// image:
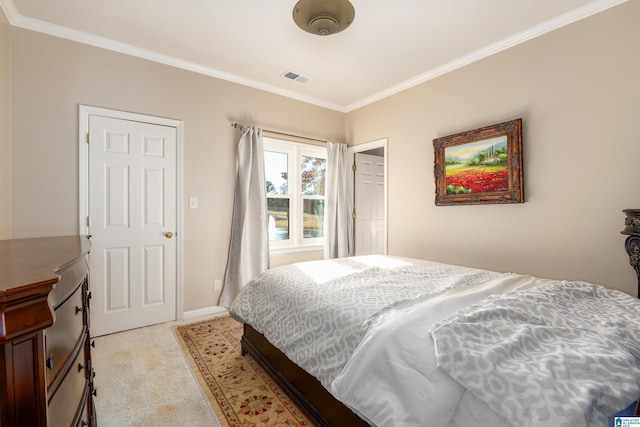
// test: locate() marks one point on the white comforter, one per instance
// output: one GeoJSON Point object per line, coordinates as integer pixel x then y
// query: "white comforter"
{"type": "Point", "coordinates": [380, 359]}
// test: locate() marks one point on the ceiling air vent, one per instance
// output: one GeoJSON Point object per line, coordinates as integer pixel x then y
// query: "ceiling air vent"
{"type": "Point", "coordinates": [295, 76]}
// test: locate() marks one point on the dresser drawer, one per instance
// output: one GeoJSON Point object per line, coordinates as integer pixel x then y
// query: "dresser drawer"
{"type": "Point", "coordinates": [64, 337]}
{"type": "Point", "coordinates": [71, 276]}
{"type": "Point", "coordinates": [69, 399]}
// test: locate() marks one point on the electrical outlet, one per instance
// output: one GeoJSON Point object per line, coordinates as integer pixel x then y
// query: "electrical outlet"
{"type": "Point", "coordinates": [217, 285]}
{"type": "Point", "coordinates": [193, 203]}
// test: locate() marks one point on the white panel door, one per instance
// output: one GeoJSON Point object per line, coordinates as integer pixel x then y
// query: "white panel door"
{"type": "Point", "coordinates": [369, 204]}
{"type": "Point", "coordinates": [132, 211]}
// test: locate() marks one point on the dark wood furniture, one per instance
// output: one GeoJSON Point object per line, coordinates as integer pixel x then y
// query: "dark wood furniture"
{"type": "Point", "coordinates": [304, 389]}
{"type": "Point", "coordinates": [632, 244]}
{"type": "Point", "coordinates": [46, 376]}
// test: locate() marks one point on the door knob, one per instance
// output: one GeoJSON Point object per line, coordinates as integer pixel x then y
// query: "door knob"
{"type": "Point", "coordinates": [169, 234]}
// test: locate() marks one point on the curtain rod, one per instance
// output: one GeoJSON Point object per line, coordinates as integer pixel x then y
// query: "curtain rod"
{"type": "Point", "coordinates": [240, 126]}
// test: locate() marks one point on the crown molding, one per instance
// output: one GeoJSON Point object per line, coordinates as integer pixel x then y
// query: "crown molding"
{"type": "Point", "coordinates": [17, 20]}
{"type": "Point", "coordinates": [9, 9]}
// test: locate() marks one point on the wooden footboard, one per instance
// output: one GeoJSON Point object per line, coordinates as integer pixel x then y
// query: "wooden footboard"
{"type": "Point", "coordinates": [306, 391]}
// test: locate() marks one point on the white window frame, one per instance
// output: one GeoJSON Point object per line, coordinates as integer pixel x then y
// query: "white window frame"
{"type": "Point", "coordinates": [295, 151]}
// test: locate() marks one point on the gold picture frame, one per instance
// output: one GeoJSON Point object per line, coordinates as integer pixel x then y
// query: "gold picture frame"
{"type": "Point", "coordinates": [480, 166]}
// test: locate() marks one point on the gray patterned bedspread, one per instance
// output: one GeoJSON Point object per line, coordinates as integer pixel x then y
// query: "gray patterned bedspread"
{"type": "Point", "coordinates": [317, 312]}
{"type": "Point", "coordinates": [562, 354]}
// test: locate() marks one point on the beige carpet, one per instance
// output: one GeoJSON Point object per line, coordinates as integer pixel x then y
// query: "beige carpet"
{"type": "Point", "coordinates": [143, 379]}
{"type": "Point", "coordinates": [240, 391]}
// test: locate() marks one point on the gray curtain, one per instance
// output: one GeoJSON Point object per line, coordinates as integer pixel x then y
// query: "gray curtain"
{"type": "Point", "coordinates": [338, 226]}
{"type": "Point", "coordinates": [249, 246]}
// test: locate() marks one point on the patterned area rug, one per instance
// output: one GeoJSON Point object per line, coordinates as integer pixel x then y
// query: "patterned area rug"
{"type": "Point", "coordinates": [241, 393]}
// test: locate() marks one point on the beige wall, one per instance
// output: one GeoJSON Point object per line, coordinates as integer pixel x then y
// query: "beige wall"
{"type": "Point", "coordinates": [577, 91]}
{"type": "Point", "coordinates": [5, 127]}
{"type": "Point", "coordinates": [52, 76]}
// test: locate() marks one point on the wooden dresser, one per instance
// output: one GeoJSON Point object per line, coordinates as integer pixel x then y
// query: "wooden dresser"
{"type": "Point", "coordinates": [46, 378]}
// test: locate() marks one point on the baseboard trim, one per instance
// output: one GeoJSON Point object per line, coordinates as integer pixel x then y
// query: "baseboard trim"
{"type": "Point", "coordinates": [216, 309]}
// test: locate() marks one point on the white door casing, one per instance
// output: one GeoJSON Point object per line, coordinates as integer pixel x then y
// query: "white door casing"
{"type": "Point", "coordinates": [369, 224]}
{"type": "Point", "coordinates": [133, 222]}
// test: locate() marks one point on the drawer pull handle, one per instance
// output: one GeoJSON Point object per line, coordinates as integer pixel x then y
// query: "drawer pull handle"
{"type": "Point", "coordinates": [50, 361]}
{"type": "Point", "coordinates": [79, 309]}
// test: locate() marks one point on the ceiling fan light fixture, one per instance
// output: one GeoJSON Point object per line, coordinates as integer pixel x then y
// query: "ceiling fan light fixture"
{"type": "Point", "coordinates": [323, 17]}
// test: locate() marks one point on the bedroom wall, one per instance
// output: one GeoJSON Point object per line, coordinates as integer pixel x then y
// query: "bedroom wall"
{"type": "Point", "coordinates": [52, 76]}
{"type": "Point", "coordinates": [578, 94]}
{"type": "Point", "coordinates": [5, 127]}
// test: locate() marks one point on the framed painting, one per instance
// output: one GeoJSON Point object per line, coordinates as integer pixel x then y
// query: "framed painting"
{"type": "Point", "coordinates": [480, 166]}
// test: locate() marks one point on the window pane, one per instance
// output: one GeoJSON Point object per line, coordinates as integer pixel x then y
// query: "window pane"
{"type": "Point", "coordinates": [276, 172]}
{"type": "Point", "coordinates": [278, 212]}
{"type": "Point", "coordinates": [313, 218]}
{"type": "Point", "coordinates": [313, 171]}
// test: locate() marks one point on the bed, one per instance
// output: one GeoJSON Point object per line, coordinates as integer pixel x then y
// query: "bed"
{"type": "Point", "coordinates": [391, 341]}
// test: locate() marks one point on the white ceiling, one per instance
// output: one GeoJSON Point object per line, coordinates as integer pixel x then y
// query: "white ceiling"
{"type": "Point", "coordinates": [391, 45]}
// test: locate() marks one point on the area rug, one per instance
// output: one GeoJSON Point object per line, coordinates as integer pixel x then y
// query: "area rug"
{"type": "Point", "coordinates": [241, 393]}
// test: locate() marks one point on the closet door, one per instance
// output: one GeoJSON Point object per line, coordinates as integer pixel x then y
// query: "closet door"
{"type": "Point", "coordinates": [132, 217]}
{"type": "Point", "coordinates": [369, 227]}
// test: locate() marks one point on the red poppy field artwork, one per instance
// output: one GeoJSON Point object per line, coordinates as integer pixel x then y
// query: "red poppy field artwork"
{"type": "Point", "coordinates": [480, 166]}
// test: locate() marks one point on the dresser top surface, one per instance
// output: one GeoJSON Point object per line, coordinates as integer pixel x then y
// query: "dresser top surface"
{"type": "Point", "coordinates": [26, 263]}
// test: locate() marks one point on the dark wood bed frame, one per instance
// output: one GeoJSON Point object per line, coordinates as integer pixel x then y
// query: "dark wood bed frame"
{"type": "Point", "coordinates": [306, 391]}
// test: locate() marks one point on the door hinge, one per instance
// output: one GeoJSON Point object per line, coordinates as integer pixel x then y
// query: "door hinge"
{"type": "Point", "coordinates": [88, 222]}
{"type": "Point", "coordinates": [354, 167]}
{"type": "Point", "coordinates": [88, 139]}
{"type": "Point", "coordinates": [353, 215]}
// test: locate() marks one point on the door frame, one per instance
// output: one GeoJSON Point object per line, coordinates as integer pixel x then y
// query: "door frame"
{"type": "Point", "coordinates": [84, 112]}
{"type": "Point", "coordinates": [351, 151]}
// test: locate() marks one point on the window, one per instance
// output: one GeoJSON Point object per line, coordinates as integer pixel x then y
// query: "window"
{"type": "Point", "coordinates": [295, 179]}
